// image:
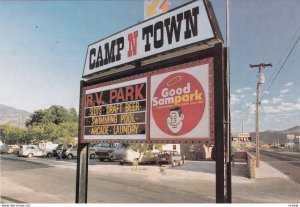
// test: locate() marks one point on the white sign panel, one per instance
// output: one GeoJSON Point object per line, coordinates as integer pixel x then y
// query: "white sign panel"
{"type": "Point", "coordinates": [290, 136]}
{"type": "Point", "coordinates": [180, 106]}
{"type": "Point", "coordinates": [184, 26]}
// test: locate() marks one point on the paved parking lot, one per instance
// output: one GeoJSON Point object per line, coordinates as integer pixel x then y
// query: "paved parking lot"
{"type": "Point", "coordinates": [44, 180]}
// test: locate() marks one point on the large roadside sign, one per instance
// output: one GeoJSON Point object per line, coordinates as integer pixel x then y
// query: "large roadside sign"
{"type": "Point", "coordinates": [159, 103]}
{"type": "Point", "coordinates": [171, 104]}
{"type": "Point", "coordinates": [160, 81]}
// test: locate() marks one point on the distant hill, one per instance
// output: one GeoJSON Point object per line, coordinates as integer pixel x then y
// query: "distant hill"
{"type": "Point", "coordinates": [271, 136]}
{"type": "Point", "coordinates": [13, 116]}
{"type": "Point", "coordinates": [295, 129]}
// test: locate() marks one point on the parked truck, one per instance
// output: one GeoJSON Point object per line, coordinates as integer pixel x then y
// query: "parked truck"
{"type": "Point", "coordinates": [48, 147]}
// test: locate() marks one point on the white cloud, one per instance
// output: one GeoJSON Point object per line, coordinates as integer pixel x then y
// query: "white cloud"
{"type": "Point", "coordinates": [266, 92]}
{"type": "Point", "coordinates": [252, 108]}
{"type": "Point", "coordinates": [286, 106]}
{"type": "Point", "coordinates": [234, 99]}
{"type": "Point", "coordinates": [271, 109]}
{"type": "Point", "coordinates": [265, 101]}
{"type": "Point", "coordinates": [284, 90]}
{"type": "Point", "coordinates": [242, 90]}
{"type": "Point", "coordinates": [235, 113]}
{"type": "Point", "coordinates": [289, 84]}
{"type": "Point", "coordinates": [247, 105]}
{"type": "Point", "coordinates": [280, 107]}
{"type": "Point", "coordinates": [276, 100]}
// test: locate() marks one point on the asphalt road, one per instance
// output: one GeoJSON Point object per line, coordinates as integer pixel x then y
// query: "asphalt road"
{"type": "Point", "coordinates": [43, 180]}
{"type": "Point", "coordinates": [286, 162]}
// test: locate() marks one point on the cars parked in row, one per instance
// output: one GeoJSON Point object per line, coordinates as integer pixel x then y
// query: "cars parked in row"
{"type": "Point", "coordinates": [122, 153]}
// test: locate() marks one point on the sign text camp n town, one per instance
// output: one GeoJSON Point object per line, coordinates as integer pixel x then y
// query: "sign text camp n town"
{"type": "Point", "coordinates": [183, 26]}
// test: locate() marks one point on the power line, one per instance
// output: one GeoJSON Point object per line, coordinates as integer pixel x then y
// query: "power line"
{"type": "Point", "coordinates": [292, 49]}
{"type": "Point", "coordinates": [285, 52]}
{"type": "Point", "coordinates": [282, 56]}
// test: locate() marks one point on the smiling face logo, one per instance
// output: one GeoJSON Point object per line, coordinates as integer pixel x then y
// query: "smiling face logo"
{"type": "Point", "coordinates": [175, 120]}
{"type": "Point", "coordinates": [178, 104]}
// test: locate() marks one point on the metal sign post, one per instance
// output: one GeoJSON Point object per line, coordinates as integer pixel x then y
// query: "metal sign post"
{"type": "Point", "coordinates": [82, 162]}
{"type": "Point", "coordinates": [82, 173]}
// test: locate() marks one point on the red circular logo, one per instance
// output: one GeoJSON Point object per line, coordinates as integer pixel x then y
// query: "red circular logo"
{"type": "Point", "coordinates": [178, 104]}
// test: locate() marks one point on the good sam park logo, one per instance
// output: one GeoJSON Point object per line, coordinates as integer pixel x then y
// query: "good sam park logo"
{"type": "Point", "coordinates": [178, 104]}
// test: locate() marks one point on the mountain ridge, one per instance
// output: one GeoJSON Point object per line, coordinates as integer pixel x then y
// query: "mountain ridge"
{"type": "Point", "coordinates": [270, 136]}
{"type": "Point", "coordinates": [11, 115]}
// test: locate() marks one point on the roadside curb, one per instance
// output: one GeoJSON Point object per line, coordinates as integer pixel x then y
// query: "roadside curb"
{"type": "Point", "coordinates": [266, 171]}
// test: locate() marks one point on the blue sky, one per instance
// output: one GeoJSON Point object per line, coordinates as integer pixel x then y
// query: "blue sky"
{"type": "Point", "coordinates": [43, 46]}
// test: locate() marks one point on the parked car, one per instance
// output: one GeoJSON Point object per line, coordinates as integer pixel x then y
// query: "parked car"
{"type": "Point", "coordinates": [124, 154]}
{"type": "Point", "coordinates": [170, 157]}
{"type": "Point", "coordinates": [9, 149]}
{"type": "Point", "coordinates": [31, 151]}
{"type": "Point", "coordinates": [104, 150]}
{"type": "Point", "coordinates": [70, 151]}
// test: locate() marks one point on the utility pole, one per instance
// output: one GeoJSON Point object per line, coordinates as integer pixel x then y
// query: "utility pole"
{"type": "Point", "coordinates": [261, 80]}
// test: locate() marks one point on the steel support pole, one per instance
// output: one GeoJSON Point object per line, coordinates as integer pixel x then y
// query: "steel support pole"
{"type": "Point", "coordinates": [227, 107]}
{"type": "Point", "coordinates": [82, 160]}
{"type": "Point", "coordinates": [219, 123]}
{"type": "Point", "coordinates": [227, 130]}
{"type": "Point", "coordinates": [82, 173]}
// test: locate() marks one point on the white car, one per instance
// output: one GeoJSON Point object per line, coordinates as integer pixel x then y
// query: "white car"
{"type": "Point", "coordinates": [70, 152]}
{"type": "Point", "coordinates": [124, 154]}
{"type": "Point", "coordinates": [31, 151]}
{"type": "Point", "coordinates": [103, 150]}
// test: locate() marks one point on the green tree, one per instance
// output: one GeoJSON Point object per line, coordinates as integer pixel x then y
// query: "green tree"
{"type": "Point", "coordinates": [55, 114]}
{"type": "Point", "coordinates": [12, 134]}
{"type": "Point", "coordinates": [67, 132]}
{"type": "Point", "coordinates": [54, 124]}
{"type": "Point", "coordinates": [37, 118]}
{"type": "Point", "coordinates": [35, 133]}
